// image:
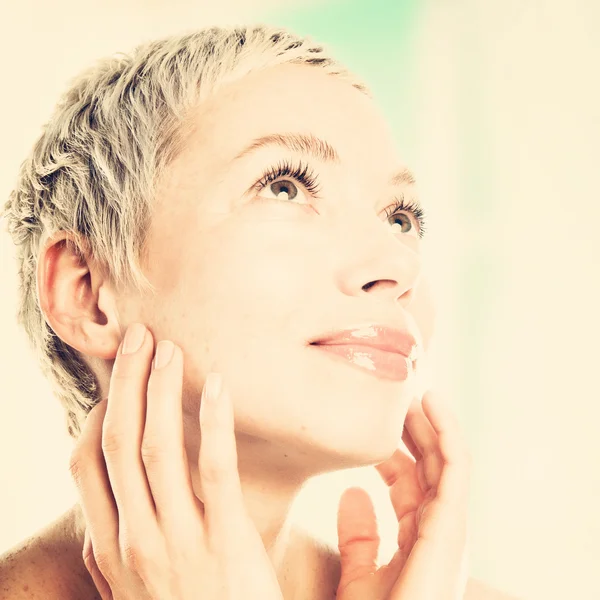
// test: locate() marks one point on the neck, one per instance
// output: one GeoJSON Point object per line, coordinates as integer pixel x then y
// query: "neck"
{"type": "Point", "coordinates": [268, 500]}
{"type": "Point", "coordinates": [305, 569]}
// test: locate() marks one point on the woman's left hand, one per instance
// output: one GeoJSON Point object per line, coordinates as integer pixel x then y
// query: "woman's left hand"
{"type": "Point", "coordinates": [429, 492]}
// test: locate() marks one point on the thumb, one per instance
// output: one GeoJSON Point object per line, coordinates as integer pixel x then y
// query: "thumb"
{"type": "Point", "coordinates": [358, 537]}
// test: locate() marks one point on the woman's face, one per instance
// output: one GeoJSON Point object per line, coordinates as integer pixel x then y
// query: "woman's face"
{"type": "Point", "coordinates": [246, 276]}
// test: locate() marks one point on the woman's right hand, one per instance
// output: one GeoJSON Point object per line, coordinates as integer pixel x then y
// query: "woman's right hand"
{"type": "Point", "coordinates": [429, 492]}
{"type": "Point", "coordinates": [148, 537]}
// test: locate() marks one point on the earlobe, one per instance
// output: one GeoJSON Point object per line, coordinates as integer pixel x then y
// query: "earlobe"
{"type": "Point", "coordinates": [75, 303]}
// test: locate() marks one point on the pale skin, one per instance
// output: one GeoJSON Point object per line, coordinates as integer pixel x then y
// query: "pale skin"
{"type": "Point", "coordinates": [236, 270]}
{"type": "Point", "coordinates": [149, 536]}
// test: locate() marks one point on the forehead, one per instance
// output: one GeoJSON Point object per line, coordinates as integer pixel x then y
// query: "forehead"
{"type": "Point", "coordinates": [292, 98]}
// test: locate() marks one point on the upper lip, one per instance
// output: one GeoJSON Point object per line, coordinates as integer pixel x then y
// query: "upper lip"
{"type": "Point", "coordinates": [379, 336]}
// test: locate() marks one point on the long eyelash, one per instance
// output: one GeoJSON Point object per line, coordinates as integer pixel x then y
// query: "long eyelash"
{"type": "Point", "coordinates": [401, 205]}
{"type": "Point", "coordinates": [303, 174]}
{"type": "Point", "coordinates": [306, 176]}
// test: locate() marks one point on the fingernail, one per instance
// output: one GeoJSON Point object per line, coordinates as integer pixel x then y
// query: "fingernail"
{"type": "Point", "coordinates": [212, 387]}
{"type": "Point", "coordinates": [164, 353]}
{"type": "Point", "coordinates": [133, 338]}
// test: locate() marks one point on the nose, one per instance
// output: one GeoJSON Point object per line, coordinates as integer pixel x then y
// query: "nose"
{"type": "Point", "coordinates": [387, 267]}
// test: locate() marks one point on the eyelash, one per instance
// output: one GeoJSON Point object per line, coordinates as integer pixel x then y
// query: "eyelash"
{"type": "Point", "coordinates": [306, 176]}
{"type": "Point", "coordinates": [403, 205]}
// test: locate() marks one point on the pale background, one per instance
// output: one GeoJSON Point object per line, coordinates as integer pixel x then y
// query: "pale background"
{"type": "Point", "coordinates": [497, 105]}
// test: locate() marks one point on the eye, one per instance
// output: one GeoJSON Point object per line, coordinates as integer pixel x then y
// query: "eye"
{"type": "Point", "coordinates": [284, 186]}
{"type": "Point", "coordinates": [286, 189]}
{"type": "Point", "coordinates": [405, 226]}
{"type": "Point", "coordinates": [281, 181]}
{"type": "Point", "coordinates": [396, 211]}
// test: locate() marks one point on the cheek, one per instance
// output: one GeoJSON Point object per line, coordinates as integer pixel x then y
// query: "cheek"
{"type": "Point", "coordinates": [250, 282]}
{"type": "Point", "coordinates": [423, 310]}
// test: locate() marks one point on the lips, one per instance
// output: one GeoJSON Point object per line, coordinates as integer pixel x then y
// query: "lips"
{"type": "Point", "coordinates": [381, 337]}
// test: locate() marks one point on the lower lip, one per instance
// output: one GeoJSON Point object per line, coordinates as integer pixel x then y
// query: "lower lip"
{"type": "Point", "coordinates": [387, 365]}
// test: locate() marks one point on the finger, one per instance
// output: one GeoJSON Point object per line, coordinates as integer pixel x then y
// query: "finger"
{"type": "Point", "coordinates": [399, 473]}
{"type": "Point", "coordinates": [410, 445]}
{"type": "Point", "coordinates": [90, 564]}
{"type": "Point", "coordinates": [442, 534]}
{"type": "Point", "coordinates": [419, 462]}
{"type": "Point", "coordinates": [395, 467]}
{"type": "Point", "coordinates": [122, 437]}
{"type": "Point", "coordinates": [419, 429]}
{"type": "Point", "coordinates": [453, 487]}
{"type": "Point", "coordinates": [425, 438]}
{"type": "Point", "coordinates": [358, 536]}
{"type": "Point", "coordinates": [88, 471]}
{"type": "Point", "coordinates": [163, 449]}
{"type": "Point", "coordinates": [406, 438]}
{"type": "Point", "coordinates": [407, 536]}
{"type": "Point", "coordinates": [225, 511]}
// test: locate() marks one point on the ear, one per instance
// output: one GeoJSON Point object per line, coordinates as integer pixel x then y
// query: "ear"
{"type": "Point", "coordinates": [75, 297]}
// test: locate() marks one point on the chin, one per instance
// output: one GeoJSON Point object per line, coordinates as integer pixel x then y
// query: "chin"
{"type": "Point", "coordinates": [349, 445]}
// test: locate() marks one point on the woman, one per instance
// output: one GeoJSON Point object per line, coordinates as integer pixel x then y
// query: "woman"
{"type": "Point", "coordinates": [232, 203]}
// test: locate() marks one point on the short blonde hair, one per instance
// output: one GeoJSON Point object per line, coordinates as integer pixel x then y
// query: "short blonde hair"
{"type": "Point", "coordinates": [93, 171]}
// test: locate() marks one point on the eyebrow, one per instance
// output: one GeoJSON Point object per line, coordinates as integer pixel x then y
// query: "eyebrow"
{"type": "Point", "coordinates": [319, 149]}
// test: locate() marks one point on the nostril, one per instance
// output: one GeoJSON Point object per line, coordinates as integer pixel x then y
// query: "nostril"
{"type": "Point", "coordinates": [368, 286]}
{"type": "Point", "coordinates": [381, 282]}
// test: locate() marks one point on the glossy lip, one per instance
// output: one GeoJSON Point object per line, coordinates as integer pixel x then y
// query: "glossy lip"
{"type": "Point", "coordinates": [383, 364]}
{"type": "Point", "coordinates": [389, 339]}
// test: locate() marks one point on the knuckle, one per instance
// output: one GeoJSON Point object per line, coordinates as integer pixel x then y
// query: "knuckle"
{"type": "Point", "coordinates": [88, 556]}
{"type": "Point", "coordinates": [213, 473]}
{"type": "Point", "coordinates": [76, 465]}
{"type": "Point", "coordinates": [217, 471]}
{"type": "Point", "coordinates": [113, 440]}
{"type": "Point", "coordinates": [430, 448]}
{"type": "Point", "coordinates": [138, 558]}
{"type": "Point", "coordinates": [152, 450]}
{"type": "Point", "coordinates": [133, 557]}
{"type": "Point", "coordinates": [89, 562]}
{"type": "Point", "coordinates": [103, 563]}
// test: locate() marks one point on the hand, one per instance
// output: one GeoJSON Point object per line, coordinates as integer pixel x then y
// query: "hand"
{"type": "Point", "coordinates": [147, 534]}
{"type": "Point", "coordinates": [429, 494]}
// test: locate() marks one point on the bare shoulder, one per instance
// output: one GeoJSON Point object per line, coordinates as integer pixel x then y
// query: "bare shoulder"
{"type": "Point", "coordinates": [13, 581]}
{"type": "Point", "coordinates": [26, 573]}
{"type": "Point", "coordinates": [478, 590]}
{"type": "Point", "coordinates": [35, 568]}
